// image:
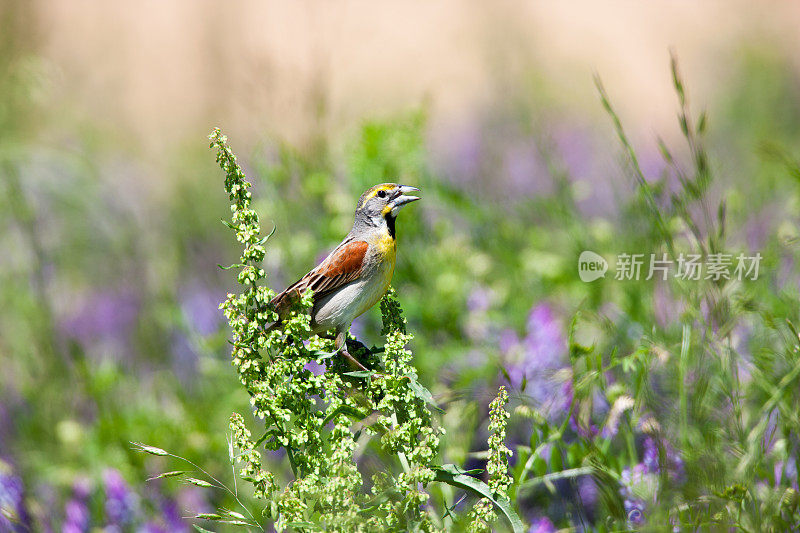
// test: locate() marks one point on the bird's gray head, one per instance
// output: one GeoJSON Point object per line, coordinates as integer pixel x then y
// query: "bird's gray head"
{"type": "Point", "coordinates": [380, 204]}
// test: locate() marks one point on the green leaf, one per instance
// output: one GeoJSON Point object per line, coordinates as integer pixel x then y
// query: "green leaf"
{"type": "Point", "coordinates": [701, 123]}
{"type": "Point", "coordinates": [453, 475]}
{"type": "Point", "coordinates": [201, 529]}
{"type": "Point", "coordinates": [792, 328]}
{"type": "Point", "coordinates": [227, 223]}
{"type": "Point", "coordinates": [389, 494]}
{"type": "Point", "coordinates": [360, 374]}
{"type": "Point", "coordinates": [265, 239]}
{"type": "Point", "coordinates": [272, 432]}
{"type": "Point", "coordinates": [735, 493]}
{"type": "Point", "coordinates": [297, 525]}
{"type": "Point", "coordinates": [352, 412]}
{"type": "Point", "coordinates": [422, 393]}
{"type": "Point", "coordinates": [455, 469]}
{"type": "Point", "coordinates": [321, 355]}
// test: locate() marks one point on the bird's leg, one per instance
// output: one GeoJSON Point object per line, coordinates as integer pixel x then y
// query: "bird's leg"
{"type": "Point", "coordinates": [341, 346]}
{"type": "Point", "coordinates": [356, 346]}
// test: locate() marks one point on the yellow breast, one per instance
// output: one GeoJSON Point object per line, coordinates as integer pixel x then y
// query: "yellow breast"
{"type": "Point", "coordinates": [386, 252]}
{"type": "Point", "coordinates": [387, 248]}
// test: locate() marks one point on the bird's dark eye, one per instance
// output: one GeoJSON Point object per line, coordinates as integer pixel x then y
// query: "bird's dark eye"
{"type": "Point", "coordinates": [382, 194]}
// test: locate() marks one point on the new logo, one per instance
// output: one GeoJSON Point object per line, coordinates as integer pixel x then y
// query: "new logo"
{"type": "Point", "coordinates": [591, 266]}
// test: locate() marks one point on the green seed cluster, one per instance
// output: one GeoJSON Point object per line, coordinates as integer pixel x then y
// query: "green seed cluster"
{"type": "Point", "coordinates": [314, 417]}
{"type": "Point", "coordinates": [483, 514]}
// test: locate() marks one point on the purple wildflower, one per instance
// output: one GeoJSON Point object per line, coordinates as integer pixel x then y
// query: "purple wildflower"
{"type": "Point", "coordinates": [634, 510]}
{"type": "Point", "coordinates": [315, 368]}
{"type": "Point", "coordinates": [651, 460]}
{"type": "Point", "coordinates": [527, 173]}
{"type": "Point", "coordinates": [193, 499]}
{"type": "Point", "coordinates": [545, 343]}
{"type": "Point", "coordinates": [120, 501]}
{"type": "Point", "coordinates": [650, 456]}
{"type": "Point", "coordinates": [652, 163]}
{"type": "Point", "coordinates": [537, 358]}
{"type": "Point", "coordinates": [586, 431]}
{"type": "Point", "coordinates": [479, 300]}
{"type": "Point", "coordinates": [587, 491]}
{"type": "Point", "coordinates": [76, 517]}
{"type": "Point", "coordinates": [106, 316]}
{"type": "Point", "coordinates": [76, 510]}
{"type": "Point", "coordinates": [574, 145]}
{"type": "Point", "coordinates": [172, 516]}
{"type": "Point", "coordinates": [634, 505]}
{"type": "Point", "coordinates": [508, 341]}
{"type": "Point", "coordinates": [785, 472]}
{"type": "Point", "coordinates": [461, 151]}
{"type": "Point", "coordinates": [567, 395]}
{"type": "Point", "coordinates": [200, 306]}
{"type": "Point", "coordinates": [542, 525]}
{"type": "Point", "coordinates": [587, 165]}
{"type": "Point", "coordinates": [637, 488]}
{"type": "Point", "coordinates": [13, 514]}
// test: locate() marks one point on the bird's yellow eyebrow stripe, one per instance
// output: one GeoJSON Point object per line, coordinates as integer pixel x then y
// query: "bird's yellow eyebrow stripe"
{"type": "Point", "coordinates": [376, 190]}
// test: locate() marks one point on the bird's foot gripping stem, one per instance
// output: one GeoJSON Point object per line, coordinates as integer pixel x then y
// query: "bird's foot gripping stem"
{"type": "Point", "coordinates": [345, 345]}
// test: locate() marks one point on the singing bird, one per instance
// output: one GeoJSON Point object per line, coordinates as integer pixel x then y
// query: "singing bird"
{"type": "Point", "coordinates": [357, 273]}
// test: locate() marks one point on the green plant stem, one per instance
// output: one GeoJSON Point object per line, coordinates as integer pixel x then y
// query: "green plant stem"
{"type": "Point", "coordinates": [634, 160]}
{"type": "Point", "coordinates": [682, 392]}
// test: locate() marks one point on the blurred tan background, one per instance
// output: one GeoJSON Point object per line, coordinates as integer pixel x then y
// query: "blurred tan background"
{"type": "Point", "coordinates": [294, 69]}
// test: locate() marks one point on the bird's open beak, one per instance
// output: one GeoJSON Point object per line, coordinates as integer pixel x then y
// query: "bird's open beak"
{"type": "Point", "coordinates": [402, 197]}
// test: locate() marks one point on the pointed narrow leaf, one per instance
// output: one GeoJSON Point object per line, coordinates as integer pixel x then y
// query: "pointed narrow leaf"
{"type": "Point", "coordinates": [352, 412]}
{"type": "Point", "coordinates": [451, 474]}
{"type": "Point", "coordinates": [701, 123]}
{"type": "Point", "coordinates": [360, 374]}
{"type": "Point", "coordinates": [265, 239]}
{"type": "Point", "coordinates": [422, 393]}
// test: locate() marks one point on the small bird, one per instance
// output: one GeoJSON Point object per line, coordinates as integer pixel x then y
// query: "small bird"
{"type": "Point", "coordinates": [357, 273]}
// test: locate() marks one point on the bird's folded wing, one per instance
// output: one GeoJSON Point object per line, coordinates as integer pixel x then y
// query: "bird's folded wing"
{"type": "Point", "coordinates": [342, 266]}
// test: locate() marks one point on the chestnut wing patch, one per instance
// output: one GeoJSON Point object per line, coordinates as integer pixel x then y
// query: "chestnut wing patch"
{"type": "Point", "coordinates": [341, 267]}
